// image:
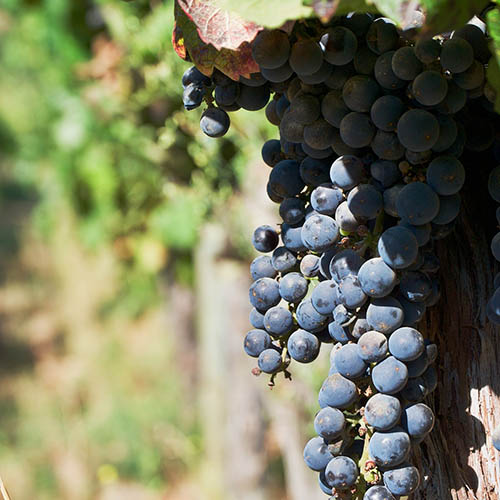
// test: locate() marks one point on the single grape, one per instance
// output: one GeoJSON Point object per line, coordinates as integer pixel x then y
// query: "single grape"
{"type": "Point", "coordinates": [421, 232]}
{"type": "Point", "coordinates": [390, 375]}
{"type": "Point", "coordinates": [308, 318]}
{"type": "Point", "coordinates": [333, 108]}
{"type": "Point", "coordinates": [397, 246]}
{"type": "Point", "coordinates": [256, 341]}
{"type": "Point", "coordinates": [372, 346]}
{"type": "Point", "coordinates": [319, 135]}
{"type": "Point", "coordinates": [305, 109]}
{"type": "Point", "coordinates": [214, 122]}
{"type": "Point", "coordinates": [360, 92]}
{"type": "Point", "coordinates": [194, 75]}
{"type": "Point", "coordinates": [339, 45]}
{"type": "Point", "coordinates": [314, 172]}
{"type": "Point", "coordinates": [417, 203]}
{"type": "Point", "coordinates": [427, 50]}
{"type": "Point", "coordinates": [306, 57]}
{"type": "Point", "coordinates": [283, 260]}
{"type": "Point", "coordinates": [413, 311]}
{"type": "Point", "coordinates": [345, 263]}
{"type": "Point", "coordinates": [429, 88]}
{"type": "Point", "coordinates": [326, 198]}
{"type": "Point", "coordinates": [456, 55]}
{"type": "Point", "coordinates": [226, 95]}
{"type": "Point", "coordinates": [382, 36]}
{"type": "Point", "coordinates": [261, 267]}
{"type": "Point", "coordinates": [319, 233]}
{"type": "Point", "coordinates": [325, 297]}
{"type": "Point", "coordinates": [385, 314]}
{"type": "Point", "coordinates": [325, 488]}
{"type": "Point", "coordinates": [341, 472]}
{"type": "Point", "coordinates": [385, 75]}
{"type": "Point", "coordinates": [382, 412]}
{"type": "Point", "coordinates": [376, 278]}
{"type": "Point", "coordinates": [329, 423]}
{"type": "Point", "coordinates": [349, 363]}
{"type": "Point", "coordinates": [271, 152]}
{"type": "Point", "coordinates": [390, 448]}
{"type": "Point", "coordinates": [264, 294]}
{"type": "Point", "coordinates": [357, 130]}
{"type": "Point", "coordinates": [270, 361]}
{"type": "Point", "coordinates": [386, 111]}
{"type": "Point", "coordinates": [253, 98]}
{"type": "Point", "coordinates": [406, 344]}
{"type": "Point", "coordinates": [365, 201]}
{"type": "Point", "coordinates": [303, 346]}
{"type": "Point", "coordinates": [192, 96]}
{"type": "Point", "coordinates": [337, 392]}
{"type": "Point", "coordinates": [285, 179]}
{"type": "Point", "coordinates": [415, 286]}
{"type": "Point", "coordinates": [418, 130]}
{"type": "Point", "coordinates": [405, 63]}
{"type": "Point", "coordinates": [265, 239]}
{"type": "Point", "coordinates": [278, 321]}
{"type": "Point", "coordinates": [402, 481]}
{"type": "Point", "coordinates": [417, 420]}
{"type": "Point", "coordinates": [292, 210]}
{"type": "Point", "coordinates": [293, 287]}
{"type": "Point", "coordinates": [347, 171]}
{"type": "Point", "coordinates": [317, 454]}
{"type": "Point", "coordinates": [271, 48]}
{"type": "Point", "coordinates": [309, 266]}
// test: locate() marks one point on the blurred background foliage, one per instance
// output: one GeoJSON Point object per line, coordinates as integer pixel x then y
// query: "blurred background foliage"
{"type": "Point", "coordinates": [106, 185]}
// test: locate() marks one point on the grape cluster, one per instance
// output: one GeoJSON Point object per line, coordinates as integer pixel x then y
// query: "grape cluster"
{"type": "Point", "coordinates": [493, 307]}
{"type": "Point", "coordinates": [367, 175]}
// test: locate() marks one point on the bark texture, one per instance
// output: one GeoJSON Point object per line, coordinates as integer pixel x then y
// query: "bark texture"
{"type": "Point", "coordinates": [457, 460]}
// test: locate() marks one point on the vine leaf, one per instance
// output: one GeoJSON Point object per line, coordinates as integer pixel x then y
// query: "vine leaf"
{"type": "Point", "coordinates": [493, 71]}
{"type": "Point", "coordinates": [446, 15]}
{"type": "Point", "coordinates": [187, 42]}
{"type": "Point", "coordinates": [268, 13]}
{"type": "Point", "coordinates": [224, 29]}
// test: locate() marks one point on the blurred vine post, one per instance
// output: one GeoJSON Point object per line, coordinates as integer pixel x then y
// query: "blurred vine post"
{"type": "Point", "coordinates": [123, 272]}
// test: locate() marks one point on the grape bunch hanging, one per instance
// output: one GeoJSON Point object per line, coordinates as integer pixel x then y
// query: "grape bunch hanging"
{"type": "Point", "coordinates": [367, 175]}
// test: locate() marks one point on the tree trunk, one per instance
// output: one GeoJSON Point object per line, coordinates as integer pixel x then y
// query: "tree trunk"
{"type": "Point", "coordinates": [457, 460]}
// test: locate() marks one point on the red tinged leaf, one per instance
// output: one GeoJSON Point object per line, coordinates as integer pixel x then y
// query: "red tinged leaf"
{"type": "Point", "coordinates": [178, 42]}
{"type": "Point", "coordinates": [206, 57]}
{"type": "Point", "coordinates": [218, 27]}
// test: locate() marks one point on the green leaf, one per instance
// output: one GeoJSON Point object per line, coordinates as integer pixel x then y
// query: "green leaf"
{"type": "Point", "coordinates": [269, 13]}
{"type": "Point", "coordinates": [493, 71]}
{"type": "Point", "coordinates": [447, 15]}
